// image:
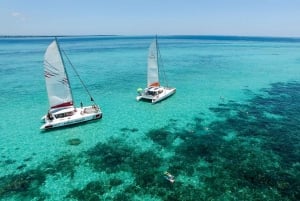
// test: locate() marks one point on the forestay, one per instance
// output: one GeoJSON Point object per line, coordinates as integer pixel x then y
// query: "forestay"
{"type": "Point", "coordinates": [153, 79]}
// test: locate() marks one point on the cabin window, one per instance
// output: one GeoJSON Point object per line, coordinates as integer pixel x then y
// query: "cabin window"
{"type": "Point", "coordinates": [62, 115]}
{"type": "Point", "coordinates": [69, 114]}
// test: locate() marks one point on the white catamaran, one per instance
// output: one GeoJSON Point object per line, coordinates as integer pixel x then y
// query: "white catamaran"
{"type": "Point", "coordinates": [62, 110]}
{"type": "Point", "coordinates": [154, 92]}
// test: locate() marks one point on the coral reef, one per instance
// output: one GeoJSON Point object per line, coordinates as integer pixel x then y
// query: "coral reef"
{"type": "Point", "coordinates": [251, 152]}
{"type": "Point", "coordinates": [74, 141]}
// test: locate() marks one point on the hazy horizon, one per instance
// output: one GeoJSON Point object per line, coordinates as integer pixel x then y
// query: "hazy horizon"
{"type": "Point", "coordinates": [267, 18]}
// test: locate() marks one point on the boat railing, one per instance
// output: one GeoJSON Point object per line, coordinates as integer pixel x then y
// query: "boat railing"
{"type": "Point", "coordinates": [91, 109]}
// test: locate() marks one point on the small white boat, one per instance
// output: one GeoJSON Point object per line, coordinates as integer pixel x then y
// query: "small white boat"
{"type": "Point", "coordinates": [62, 110]}
{"type": "Point", "coordinates": [154, 92]}
{"type": "Point", "coordinates": [169, 177]}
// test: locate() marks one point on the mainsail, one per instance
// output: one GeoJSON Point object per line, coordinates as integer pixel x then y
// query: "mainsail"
{"type": "Point", "coordinates": [57, 83]}
{"type": "Point", "coordinates": [153, 79]}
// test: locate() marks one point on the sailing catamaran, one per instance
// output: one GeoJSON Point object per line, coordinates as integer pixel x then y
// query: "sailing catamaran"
{"type": "Point", "coordinates": [62, 110]}
{"type": "Point", "coordinates": [154, 92]}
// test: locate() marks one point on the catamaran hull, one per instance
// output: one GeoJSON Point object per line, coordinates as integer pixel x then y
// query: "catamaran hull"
{"type": "Point", "coordinates": [167, 92]}
{"type": "Point", "coordinates": [79, 117]}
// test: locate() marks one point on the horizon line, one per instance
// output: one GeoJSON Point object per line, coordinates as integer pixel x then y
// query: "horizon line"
{"type": "Point", "coordinates": [143, 35]}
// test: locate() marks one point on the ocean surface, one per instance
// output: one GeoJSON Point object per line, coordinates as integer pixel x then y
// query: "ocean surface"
{"type": "Point", "coordinates": [231, 131]}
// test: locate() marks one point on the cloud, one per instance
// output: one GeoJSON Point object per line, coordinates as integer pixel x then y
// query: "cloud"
{"type": "Point", "coordinates": [18, 15]}
{"type": "Point", "coordinates": [15, 14]}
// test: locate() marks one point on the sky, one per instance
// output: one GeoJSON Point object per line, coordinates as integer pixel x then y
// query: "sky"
{"type": "Point", "coordinates": [148, 17]}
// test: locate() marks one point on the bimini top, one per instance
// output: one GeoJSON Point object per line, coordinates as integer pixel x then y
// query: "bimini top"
{"type": "Point", "coordinates": [154, 89]}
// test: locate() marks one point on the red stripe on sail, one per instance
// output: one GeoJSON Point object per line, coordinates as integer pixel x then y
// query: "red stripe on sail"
{"type": "Point", "coordinates": [63, 105]}
{"type": "Point", "coordinates": [154, 84]}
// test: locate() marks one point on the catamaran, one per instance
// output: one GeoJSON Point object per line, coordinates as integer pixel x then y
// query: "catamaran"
{"type": "Point", "coordinates": [62, 110]}
{"type": "Point", "coordinates": [154, 92]}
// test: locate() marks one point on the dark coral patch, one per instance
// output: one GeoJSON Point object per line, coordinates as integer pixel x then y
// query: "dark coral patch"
{"type": "Point", "coordinates": [132, 130]}
{"type": "Point", "coordinates": [21, 167]}
{"type": "Point", "coordinates": [92, 191]}
{"type": "Point", "coordinates": [115, 181]}
{"type": "Point", "coordinates": [161, 137]}
{"type": "Point", "coordinates": [74, 141]}
{"type": "Point", "coordinates": [110, 157]}
{"type": "Point", "coordinates": [24, 184]}
{"type": "Point", "coordinates": [145, 165]}
{"type": "Point", "coordinates": [9, 161]}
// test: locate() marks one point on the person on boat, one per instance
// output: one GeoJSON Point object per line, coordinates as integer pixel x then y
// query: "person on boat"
{"type": "Point", "coordinates": [49, 116]}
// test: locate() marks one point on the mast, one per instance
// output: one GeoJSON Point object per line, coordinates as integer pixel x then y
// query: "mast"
{"type": "Point", "coordinates": [157, 55]}
{"type": "Point", "coordinates": [153, 74]}
{"type": "Point", "coordinates": [63, 61]}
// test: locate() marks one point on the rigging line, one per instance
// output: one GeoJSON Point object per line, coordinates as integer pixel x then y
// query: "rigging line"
{"type": "Point", "coordinates": [63, 62]}
{"type": "Point", "coordinates": [162, 64]}
{"type": "Point", "coordinates": [88, 92]}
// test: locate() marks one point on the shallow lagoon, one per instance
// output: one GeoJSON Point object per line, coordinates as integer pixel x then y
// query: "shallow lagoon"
{"type": "Point", "coordinates": [229, 133]}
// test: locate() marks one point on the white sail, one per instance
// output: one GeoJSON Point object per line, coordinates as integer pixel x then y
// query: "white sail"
{"type": "Point", "coordinates": [57, 83]}
{"type": "Point", "coordinates": [153, 77]}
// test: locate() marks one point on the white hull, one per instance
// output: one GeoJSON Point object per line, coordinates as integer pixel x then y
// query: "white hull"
{"type": "Point", "coordinates": [156, 94]}
{"type": "Point", "coordinates": [69, 116]}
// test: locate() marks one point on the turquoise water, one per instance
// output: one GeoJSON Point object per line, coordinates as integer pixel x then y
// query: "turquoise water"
{"type": "Point", "coordinates": [231, 131]}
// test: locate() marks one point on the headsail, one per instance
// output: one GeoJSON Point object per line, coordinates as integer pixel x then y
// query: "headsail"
{"type": "Point", "coordinates": [153, 77]}
{"type": "Point", "coordinates": [58, 88]}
